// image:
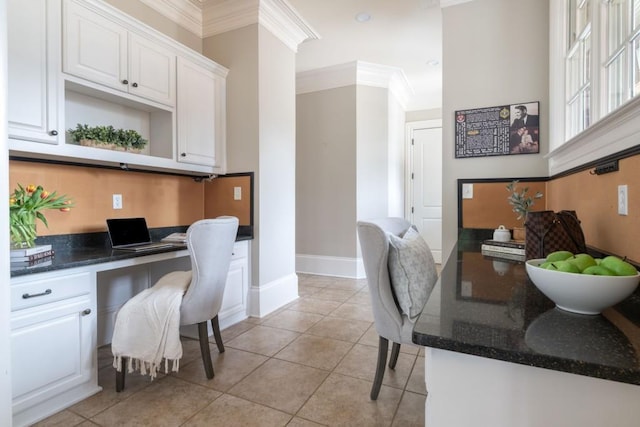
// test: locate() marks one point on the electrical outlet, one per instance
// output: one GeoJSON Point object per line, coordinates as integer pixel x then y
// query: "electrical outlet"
{"type": "Point", "coordinates": [117, 201]}
{"type": "Point", "coordinates": [237, 193]}
{"type": "Point", "coordinates": [623, 201]}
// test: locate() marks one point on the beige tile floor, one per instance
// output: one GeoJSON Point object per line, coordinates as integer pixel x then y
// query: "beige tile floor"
{"type": "Point", "coordinates": [311, 363]}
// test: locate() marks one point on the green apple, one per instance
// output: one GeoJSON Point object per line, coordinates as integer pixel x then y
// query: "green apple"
{"type": "Point", "coordinates": [582, 261]}
{"type": "Point", "coordinates": [618, 266]}
{"type": "Point", "coordinates": [598, 270]}
{"type": "Point", "coordinates": [559, 256]}
{"type": "Point", "coordinates": [546, 265]}
{"type": "Point", "coordinates": [566, 267]}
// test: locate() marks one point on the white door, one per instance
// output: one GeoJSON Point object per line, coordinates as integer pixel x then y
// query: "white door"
{"type": "Point", "coordinates": [425, 182]}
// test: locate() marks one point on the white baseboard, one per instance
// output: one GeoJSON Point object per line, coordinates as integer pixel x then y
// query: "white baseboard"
{"type": "Point", "coordinates": [269, 297]}
{"type": "Point", "coordinates": [330, 266]}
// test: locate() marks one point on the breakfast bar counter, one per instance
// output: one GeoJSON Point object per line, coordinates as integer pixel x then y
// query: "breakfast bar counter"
{"type": "Point", "coordinates": [497, 349]}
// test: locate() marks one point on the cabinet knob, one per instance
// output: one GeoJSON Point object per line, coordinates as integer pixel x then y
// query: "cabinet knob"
{"type": "Point", "coordinates": [125, 82]}
{"type": "Point", "coordinates": [183, 154]}
{"type": "Point", "coordinates": [135, 84]}
{"type": "Point", "coordinates": [86, 312]}
{"type": "Point", "coordinates": [53, 132]}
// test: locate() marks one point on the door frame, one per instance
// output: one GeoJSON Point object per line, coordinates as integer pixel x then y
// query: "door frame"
{"type": "Point", "coordinates": [410, 128]}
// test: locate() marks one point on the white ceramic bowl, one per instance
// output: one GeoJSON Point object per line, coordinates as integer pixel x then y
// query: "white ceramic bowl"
{"type": "Point", "coordinates": [581, 293]}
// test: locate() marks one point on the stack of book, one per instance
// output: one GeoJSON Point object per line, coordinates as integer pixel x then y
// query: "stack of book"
{"type": "Point", "coordinates": [509, 250]}
{"type": "Point", "coordinates": [39, 255]}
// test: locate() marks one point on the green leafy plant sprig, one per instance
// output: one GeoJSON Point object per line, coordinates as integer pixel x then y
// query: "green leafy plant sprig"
{"type": "Point", "coordinates": [520, 201]}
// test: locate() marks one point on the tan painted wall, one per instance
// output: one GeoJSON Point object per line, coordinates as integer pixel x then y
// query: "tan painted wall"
{"type": "Point", "coordinates": [164, 200]}
{"type": "Point", "coordinates": [491, 58]}
{"type": "Point", "coordinates": [595, 199]}
{"type": "Point", "coordinates": [219, 200]}
{"type": "Point", "coordinates": [489, 207]}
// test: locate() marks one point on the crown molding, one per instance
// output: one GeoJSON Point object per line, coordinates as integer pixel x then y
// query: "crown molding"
{"type": "Point", "coordinates": [356, 73]}
{"type": "Point", "coordinates": [447, 3]}
{"type": "Point", "coordinates": [277, 16]}
{"type": "Point", "coordinates": [185, 13]}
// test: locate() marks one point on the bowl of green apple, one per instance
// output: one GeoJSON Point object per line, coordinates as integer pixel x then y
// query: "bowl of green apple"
{"type": "Point", "coordinates": [581, 283]}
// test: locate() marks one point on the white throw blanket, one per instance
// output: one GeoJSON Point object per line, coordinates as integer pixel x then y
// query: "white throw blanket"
{"type": "Point", "coordinates": [147, 327]}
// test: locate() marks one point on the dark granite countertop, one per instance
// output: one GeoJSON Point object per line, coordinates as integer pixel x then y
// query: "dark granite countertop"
{"type": "Point", "coordinates": [488, 307]}
{"type": "Point", "coordinates": [80, 250]}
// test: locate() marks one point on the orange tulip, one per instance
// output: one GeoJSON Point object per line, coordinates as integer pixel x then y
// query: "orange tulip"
{"type": "Point", "coordinates": [66, 202]}
{"type": "Point", "coordinates": [31, 188]}
{"type": "Point", "coordinates": [44, 194]}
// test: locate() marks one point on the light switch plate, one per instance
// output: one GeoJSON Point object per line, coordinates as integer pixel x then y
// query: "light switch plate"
{"type": "Point", "coordinates": [237, 193]}
{"type": "Point", "coordinates": [623, 201]}
{"type": "Point", "coordinates": [467, 191]}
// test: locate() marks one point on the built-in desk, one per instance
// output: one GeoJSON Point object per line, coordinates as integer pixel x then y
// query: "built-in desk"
{"type": "Point", "coordinates": [62, 311]}
{"type": "Point", "coordinates": [498, 353]}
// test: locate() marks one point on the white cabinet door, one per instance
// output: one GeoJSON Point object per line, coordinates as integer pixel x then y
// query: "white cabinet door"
{"type": "Point", "coordinates": [95, 48]}
{"type": "Point", "coordinates": [196, 114]}
{"type": "Point", "coordinates": [234, 303]}
{"type": "Point", "coordinates": [52, 349]}
{"type": "Point", "coordinates": [33, 69]}
{"type": "Point", "coordinates": [152, 70]}
{"type": "Point", "coordinates": [102, 51]}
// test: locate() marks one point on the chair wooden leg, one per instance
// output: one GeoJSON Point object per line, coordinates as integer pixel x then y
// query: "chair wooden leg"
{"type": "Point", "coordinates": [120, 375]}
{"type": "Point", "coordinates": [203, 335]}
{"type": "Point", "coordinates": [216, 333]}
{"type": "Point", "coordinates": [383, 346]}
{"type": "Point", "coordinates": [395, 350]}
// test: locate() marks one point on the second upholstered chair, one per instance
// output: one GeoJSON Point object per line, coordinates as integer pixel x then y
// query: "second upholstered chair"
{"type": "Point", "coordinates": [210, 244]}
{"type": "Point", "coordinates": [400, 273]}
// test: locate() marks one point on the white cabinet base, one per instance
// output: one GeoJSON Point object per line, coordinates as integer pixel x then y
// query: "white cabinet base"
{"type": "Point", "coordinates": [56, 404]}
{"type": "Point", "coordinates": [465, 390]}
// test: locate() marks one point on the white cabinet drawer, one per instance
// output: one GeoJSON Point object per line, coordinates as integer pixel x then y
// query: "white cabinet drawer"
{"type": "Point", "coordinates": [43, 291]}
{"type": "Point", "coordinates": [240, 250]}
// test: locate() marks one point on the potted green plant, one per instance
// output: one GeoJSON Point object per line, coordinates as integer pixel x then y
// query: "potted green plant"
{"type": "Point", "coordinates": [108, 137]}
{"type": "Point", "coordinates": [521, 202]}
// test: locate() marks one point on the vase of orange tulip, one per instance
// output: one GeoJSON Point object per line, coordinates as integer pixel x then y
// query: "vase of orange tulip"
{"type": "Point", "coordinates": [25, 207]}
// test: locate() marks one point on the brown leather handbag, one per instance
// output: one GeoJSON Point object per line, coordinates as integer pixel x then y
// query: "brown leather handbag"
{"type": "Point", "coordinates": [549, 231]}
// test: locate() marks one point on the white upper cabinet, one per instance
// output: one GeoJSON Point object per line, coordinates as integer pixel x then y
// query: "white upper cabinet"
{"type": "Point", "coordinates": [76, 62]}
{"type": "Point", "coordinates": [102, 51]}
{"type": "Point", "coordinates": [33, 70]}
{"type": "Point", "coordinates": [200, 115]}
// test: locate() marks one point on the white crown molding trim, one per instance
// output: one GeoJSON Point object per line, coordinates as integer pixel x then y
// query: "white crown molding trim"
{"type": "Point", "coordinates": [356, 73]}
{"type": "Point", "coordinates": [285, 23]}
{"type": "Point", "coordinates": [447, 3]}
{"type": "Point", "coordinates": [277, 16]}
{"type": "Point", "coordinates": [228, 15]}
{"type": "Point", "coordinates": [183, 12]}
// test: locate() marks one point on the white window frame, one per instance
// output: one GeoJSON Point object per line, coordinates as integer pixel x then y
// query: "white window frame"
{"type": "Point", "coordinates": [608, 134]}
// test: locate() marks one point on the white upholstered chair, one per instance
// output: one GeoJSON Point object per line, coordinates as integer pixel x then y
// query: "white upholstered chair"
{"type": "Point", "coordinates": [390, 322]}
{"type": "Point", "coordinates": [210, 244]}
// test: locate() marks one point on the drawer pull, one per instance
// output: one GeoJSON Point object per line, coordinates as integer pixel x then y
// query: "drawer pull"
{"type": "Point", "coordinates": [41, 294]}
{"type": "Point", "coordinates": [86, 312]}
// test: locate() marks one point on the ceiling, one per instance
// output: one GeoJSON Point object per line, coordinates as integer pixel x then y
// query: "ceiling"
{"type": "Point", "coordinates": [401, 33]}
{"type": "Point", "coordinates": [405, 34]}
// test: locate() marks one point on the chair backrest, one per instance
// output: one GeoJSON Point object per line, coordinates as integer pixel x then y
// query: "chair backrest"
{"type": "Point", "coordinates": [210, 244]}
{"type": "Point", "coordinates": [374, 243]}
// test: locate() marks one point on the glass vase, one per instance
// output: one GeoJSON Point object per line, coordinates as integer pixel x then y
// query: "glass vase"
{"type": "Point", "coordinates": [23, 234]}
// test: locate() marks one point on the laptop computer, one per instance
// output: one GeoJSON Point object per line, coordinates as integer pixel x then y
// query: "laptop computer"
{"type": "Point", "coordinates": [132, 234]}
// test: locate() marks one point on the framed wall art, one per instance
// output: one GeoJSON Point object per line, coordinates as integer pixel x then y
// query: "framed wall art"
{"type": "Point", "coordinates": [498, 131]}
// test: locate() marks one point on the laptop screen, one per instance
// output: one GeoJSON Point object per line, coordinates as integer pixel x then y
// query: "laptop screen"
{"type": "Point", "coordinates": [128, 231]}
